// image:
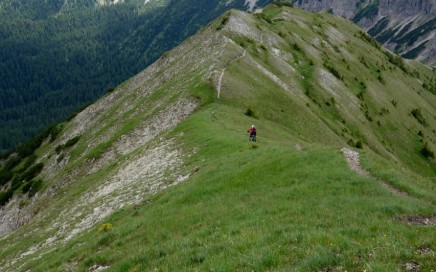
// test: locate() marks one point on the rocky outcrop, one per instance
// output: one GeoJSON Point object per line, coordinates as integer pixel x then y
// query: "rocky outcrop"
{"type": "Point", "coordinates": [405, 27]}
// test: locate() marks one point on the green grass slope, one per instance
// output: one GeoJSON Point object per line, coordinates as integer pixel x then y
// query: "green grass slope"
{"type": "Point", "coordinates": [290, 202]}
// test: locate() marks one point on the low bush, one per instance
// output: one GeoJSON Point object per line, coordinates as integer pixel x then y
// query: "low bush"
{"type": "Point", "coordinates": [419, 117]}
{"type": "Point", "coordinates": [35, 187]}
{"type": "Point", "coordinates": [105, 228]}
{"type": "Point", "coordinates": [72, 141]}
{"type": "Point", "coordinates": [5, 196]}
{"type": "Point", "coordinates": [5, 176]}
{"type": "Point", "coordinates": [333, 71]}
{"type": "Point", "coordinates": [251, 113]}
{"type": "Point", "coordinates": [32, 172]}
{"type": "Point", "coordinates": [427, 152]}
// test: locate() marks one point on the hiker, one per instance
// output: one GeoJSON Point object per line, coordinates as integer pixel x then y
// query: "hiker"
{"type": "Point", "coordinates": [252, 132]}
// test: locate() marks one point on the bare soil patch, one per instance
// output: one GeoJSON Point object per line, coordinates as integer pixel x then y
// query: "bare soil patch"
{"type": "Point", "coordinates": [424, 250]}
{"type": "Point", "coordinates": [412, 266]}
{"type": "Point", "coordinates": [419, 220]}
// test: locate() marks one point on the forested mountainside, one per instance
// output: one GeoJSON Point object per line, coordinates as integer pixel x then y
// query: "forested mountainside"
{"type": "Point", "coordinates": [159, 175]}
{"type": "Point", "coordinates": [58, 55]}
{"type": "Point", "coordinates": [407, 27]}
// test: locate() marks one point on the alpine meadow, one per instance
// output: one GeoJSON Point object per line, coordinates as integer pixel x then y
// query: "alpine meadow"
{"type": "Point", "coordinates": [159, 175]}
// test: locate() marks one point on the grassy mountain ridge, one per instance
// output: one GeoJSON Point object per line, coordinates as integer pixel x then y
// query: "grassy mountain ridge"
{"type": "Point", "coordinates": [314, 84]}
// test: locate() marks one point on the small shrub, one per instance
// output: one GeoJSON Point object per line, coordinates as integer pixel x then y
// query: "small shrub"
{"type": "Point", "coordinates": [105, 228]}
{"type": "Point", "coordinates": [6, 196]}
{"type": "Point", "coordinates": [251, 113]}
{"type": "Point", "coordinates": [368, 116]}
{"type": "Point", "coordinates": [72, 141]}
{"type": "Point", "coordinates": [429, 87]}
{"type": "Point", "coordinates": [223, 22]}
{"type": "Point", "coordinates": [59, 148]}
{"type": "Point", "coordinates": [12, 161]}
{"type": "Point", "coordinates": [333, 71]}
{"type": "Point", "coordinates": [54, 132]}
{"type": "Point", "coordinates": [60, 158]}
{"type": "Point", "coordinates": [5, 176]}
{"type": "Point", "coordinates": [396, 60]}
{"type": "Point", "coordinates": [110, 89]}
{"type": "Point", "coordinates": [29, 161]}
{"type": "Point", "coordinates": [16, 183]}
{"type": "Point", "coordinates": [362, 85]}
{"type": "Point", "coordinates": [36, 187]}
{"type": "Point", "coordinates": [359, 144]}
{"type": "Point", "coordinates": [367, 38]}
{"type": "Point", "coordinates": [26, 187]}
{"type": "Point", "coordinates": [418, 116]}
{"type": "Point", "coordinates": [296, 47]}
{"type": "Point", "coordinates": [336, 48]}
{"type": "Point", "coordinates": [363, 61]}
{"type": "Point", "coordinates": [384, 111]}
{"type": "Point", "coordinates": [427, 152]}
{"type": "Point", "coordinates": [242, 44]}
{"type": "Point", "coordinates": [394, 102]}
{"type": "Point", "coordinates": [264, 17]}
{"type": "Point", "coordinates": [32, 172]}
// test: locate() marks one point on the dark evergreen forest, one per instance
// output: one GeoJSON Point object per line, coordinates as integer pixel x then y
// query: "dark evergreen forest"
{"type": "Point", "coordinates": [54, 60]}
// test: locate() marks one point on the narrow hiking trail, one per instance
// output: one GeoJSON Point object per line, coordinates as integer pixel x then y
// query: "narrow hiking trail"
{"type": "Point", "coordinates": [220, 80]}
{"type": "Point", "coordinates": [353, 161]}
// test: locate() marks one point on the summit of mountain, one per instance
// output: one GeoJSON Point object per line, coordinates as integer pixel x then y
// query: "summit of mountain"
{"type": "Point", "coordinates": [158, 174]}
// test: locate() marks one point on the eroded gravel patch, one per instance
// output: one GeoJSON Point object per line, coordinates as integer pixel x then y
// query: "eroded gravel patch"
{"type": "Point", "coordinates": [149, 172]}
{"type": "Point", "coordinates": [418, 220]}
{"type": "Point", "coordinates": [424, 250]}
{"type": "Point", "coordinates": [353, 161]}
{"type": "Point", "coordinates": [412, 266]}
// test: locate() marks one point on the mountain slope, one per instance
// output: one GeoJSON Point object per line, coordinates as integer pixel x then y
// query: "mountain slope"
{"type": "Point", "coordinates": [406, 27]}
{"type": "Point", "coordinates": [312, 84]}
{"type": "Point", "coordinates": [56, 56]}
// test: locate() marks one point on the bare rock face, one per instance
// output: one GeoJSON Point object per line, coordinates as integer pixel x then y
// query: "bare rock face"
{"type": "Point", "coordinates": [407, 27]}
{"type": "Point", "coordinates": [406, 8]}
{"type": "Point", "coordinates": [342, 8]}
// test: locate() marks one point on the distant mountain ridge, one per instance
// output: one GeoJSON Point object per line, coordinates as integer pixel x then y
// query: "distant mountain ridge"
{"type": "Point", "coordinates": [407, 27]}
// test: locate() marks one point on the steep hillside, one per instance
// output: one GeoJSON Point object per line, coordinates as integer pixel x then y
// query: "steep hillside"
{"type": "Point", "coordinates": [404, 26]}
{"type": "Point", "coordinates": [56, 56]}
{"type": "Point", "coordinates": [159, 175]}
